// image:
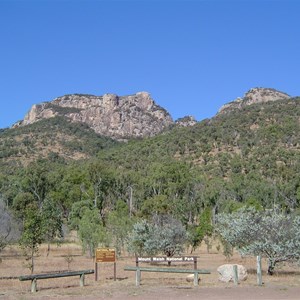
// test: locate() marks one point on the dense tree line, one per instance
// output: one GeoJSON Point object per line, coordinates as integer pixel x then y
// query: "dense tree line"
{"type": "Point", "coordinates": [248, 158]}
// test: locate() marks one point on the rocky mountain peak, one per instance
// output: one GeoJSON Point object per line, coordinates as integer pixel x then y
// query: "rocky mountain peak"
{"type": "Point", "coordinates": [186, 121]}
{"type": "Point", "coordinates": [119, 117]}
{"type": "Point", "coordinates": [254, 95]}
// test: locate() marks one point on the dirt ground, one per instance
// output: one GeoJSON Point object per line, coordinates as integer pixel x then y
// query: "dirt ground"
{"type": "Point", "coordinates": [284, 284]}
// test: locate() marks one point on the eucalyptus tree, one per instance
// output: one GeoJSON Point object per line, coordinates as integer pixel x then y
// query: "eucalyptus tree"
{"type": "Point", "coordinates": [203, 230]}
{"type": "Point", "coordinates": [163, 234]}
{"type": "Point", "coordinates": [32, 235]}
{"type": "Point", "coordinates": [52, 222]}
{"type": "Point", "coordinates": [270, 233]}
{"type": "Point", "coordinates": [102, 181]}
{"type": "Point", "coordinates": [91, 231]}
{"type": "Point", "coordinates": [35, 180]}
{"type": "Point", "coordinates": [68, 185]}
{"type": "Point", "coordinates": [118, 225]}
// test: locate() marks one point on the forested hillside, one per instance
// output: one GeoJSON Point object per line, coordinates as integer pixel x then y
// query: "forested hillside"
{"type": "Point", "coordinates": [249, 156]}
{"type": "Point", "coordinates": [50, 138]}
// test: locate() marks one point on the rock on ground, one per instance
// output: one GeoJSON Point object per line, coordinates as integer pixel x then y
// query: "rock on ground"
{"type": "Point", "coordinates": [190, 278]}
{"type": "Point", "coordinates": [226, 273]}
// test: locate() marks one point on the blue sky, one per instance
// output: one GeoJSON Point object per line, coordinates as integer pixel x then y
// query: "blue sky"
{"type": "Point", "coordinates": [192, 56]}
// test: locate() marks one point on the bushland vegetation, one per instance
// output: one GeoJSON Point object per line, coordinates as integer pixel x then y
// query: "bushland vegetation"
{"type": "Point", "coordinates": [62, 172]}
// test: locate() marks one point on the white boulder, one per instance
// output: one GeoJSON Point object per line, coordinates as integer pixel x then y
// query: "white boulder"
{"type": "Point", "coordinates": [226, 272]}
{"type": "Point", "coordinates": [190, 278]}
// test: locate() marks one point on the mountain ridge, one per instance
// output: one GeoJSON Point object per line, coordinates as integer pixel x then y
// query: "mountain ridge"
{"type": "Point", "coordinates": [132, 116]}
{"type": "Point", "coordinates": [118, 117]}
{"type": "Point", "coordinates": [254, 95]}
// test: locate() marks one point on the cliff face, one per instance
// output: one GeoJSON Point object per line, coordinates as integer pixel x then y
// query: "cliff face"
{"type": "Point", "coordinates": [255, 95]}
{"type": "Point", "coordinates": [133, 116]}
{"type": "Point", "coordinates": [119, 117]}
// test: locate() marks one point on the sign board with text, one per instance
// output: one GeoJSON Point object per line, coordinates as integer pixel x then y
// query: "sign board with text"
{"type": "Point", "coordinates": [167, 259]}
{"type": "Point", "coordinates": [105, 255]}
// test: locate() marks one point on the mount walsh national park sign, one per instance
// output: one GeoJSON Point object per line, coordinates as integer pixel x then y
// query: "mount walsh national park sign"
{"type": "Point", "coordinates": [167, 259]}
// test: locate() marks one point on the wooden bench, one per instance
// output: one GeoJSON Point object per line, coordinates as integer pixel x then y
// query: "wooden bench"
{"type": "Point", "coordinates": [138, 271]}
{"type": "Point", "coordinates": [35, 277]}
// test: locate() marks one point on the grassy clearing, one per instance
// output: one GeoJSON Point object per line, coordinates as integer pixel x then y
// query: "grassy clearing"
{"type": "Point", "coordinates": [13, 265]}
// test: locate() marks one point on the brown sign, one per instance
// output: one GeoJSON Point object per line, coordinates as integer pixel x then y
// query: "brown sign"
{"type": "Point", "coordinates": [105, 255]}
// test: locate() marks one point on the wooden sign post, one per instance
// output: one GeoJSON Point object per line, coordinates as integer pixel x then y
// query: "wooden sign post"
{"type": "Point", "coordinates": [104, 255]}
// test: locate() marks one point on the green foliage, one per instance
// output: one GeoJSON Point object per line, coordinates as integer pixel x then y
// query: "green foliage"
{"type": "Point", "coordinates": [159, 204]}
{"type": "Point", "coordinates": [69, 140]}
{"type": "Point", "coordinates": [172, 235]}
{"type": "Point", "coordinates": [102, 180]}
{"type": "Point", "coordinates": [269, 233]}
{"type": "Point", "coordinates": [248, 157]}
{"type": "Point", "coordinates": [118, 225]}
{"type": "Point", "coordinates": [32, 235]}
{"type": "Point", "coordinates": [91, 231]}
{"type": "Point", "coordinates": [231, 206]}
{"type": "Point", "coordinates": [35, 180]}
{"type": "Point", "coordinates": [51, 222]}
{"type": "Point", "coordinates": [227, 249]}
{"type": "Point", "coordinates": [204, 229]}
{"type": "Point", "coordinates": [163, 235]}
{"type": "Point", "coordinates": [77, 212]}
{"type": "Point", "coordinates": [140, 240]}
{"type": "Point", "coordinates": [21, 203]}
{"type": "Point", "coordinates": [69, 184]}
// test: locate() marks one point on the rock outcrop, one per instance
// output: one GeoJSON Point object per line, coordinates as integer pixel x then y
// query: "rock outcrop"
{"type": "Point", "coordinates": [119, 117]}
{"type": "Point", "coordinates": [255, 95]}
{"type": "Point", "coordinates": [226, 273]}
{"type": "Point", "coordinates": [186, 121]}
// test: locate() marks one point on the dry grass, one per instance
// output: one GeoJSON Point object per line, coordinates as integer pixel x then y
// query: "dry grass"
{"type": "Point", "coordinates": [70, 256]}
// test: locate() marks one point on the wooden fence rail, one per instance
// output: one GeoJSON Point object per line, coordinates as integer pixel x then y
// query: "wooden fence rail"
{"type": "Point", "coordinates": [138, 271]}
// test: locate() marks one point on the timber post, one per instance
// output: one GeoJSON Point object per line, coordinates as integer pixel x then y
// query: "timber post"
{"type": "Point", "coordinates": [259, 272]}
{"type": "Point", "coordinates": [235, 275]}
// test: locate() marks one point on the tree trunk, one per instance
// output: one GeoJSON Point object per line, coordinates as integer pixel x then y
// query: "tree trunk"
{"type": "Point", "coordinates": [32, 261]}
{"type": "Point", "coordinates": [271, 266]}
{"type": "Point", "coordinates": [48, 249]}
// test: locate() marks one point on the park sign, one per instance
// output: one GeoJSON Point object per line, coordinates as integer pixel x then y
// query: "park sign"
{"type": "Point", "coordinates": [167, 259]}
{"type": "Point", "coordinates": [105, 255]}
